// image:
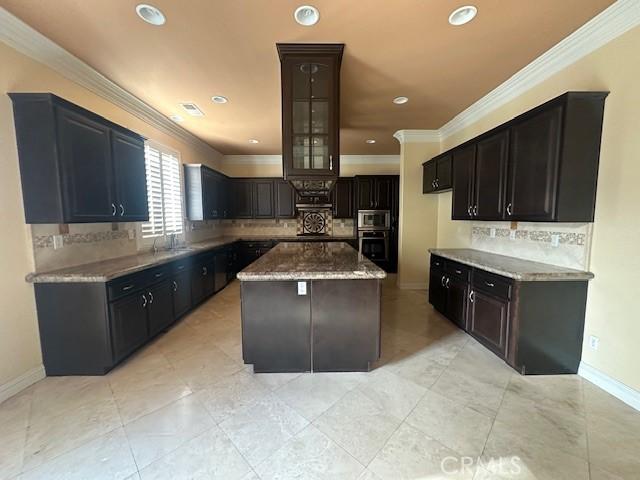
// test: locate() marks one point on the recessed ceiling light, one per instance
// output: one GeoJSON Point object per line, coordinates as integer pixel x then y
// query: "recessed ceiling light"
{"type": "Point", "coordinates": [150, 14]}
{"type": "Point", "coordinates": [370, 141]}
{"type": "Point", "coordinates": [253, 140]}
{"type": "Point", "coordinates": [176, 118]}
{"type": "Point", "coordinates": [192, 109]}
{"type": "Point", "coordinates": [306, 15]}
{"type": "Point", "coordinates": [462, 15]}
{"type": "Point", "coordinates": [219, 99]}
{"type": "Point", "coordinates": [400, 100]}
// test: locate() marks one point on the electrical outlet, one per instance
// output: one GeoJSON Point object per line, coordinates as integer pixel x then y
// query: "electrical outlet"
{"type": "Point", "coordinates": [58, 242]}
{"type": "Point", "coordinates": [492, 233]}
{"type": "Point", "coordinates": [512, 234]}
{"type": "Point", "coordinates": [555, 240]}
{"type": "Point", "coordinates": [302, 288]}
{"type": "Point", "coordinates": [594, 342]}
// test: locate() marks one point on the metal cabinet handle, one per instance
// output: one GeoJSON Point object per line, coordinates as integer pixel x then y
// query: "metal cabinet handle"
{"type": "Point", "coordinates": [489, 284]}
{"type": "Point", "coordinates": [159, 274]}
{"type": "Point", "coordinates": [113, 209]}
{"type": "Point", "coordinates": [469, 211]}
{"type": "Point", "coordinates": [175, 286]}
{"type": "Point", "coordinates": [447, 283]}
{"type": "Point", "coordinates": [509, 212]}
{"type": "Point", "coordinates": [330, 162]}
{"type": "Point", "coordinates": [150, 298]}
{"type": "Point", "coordinates": [471, 296]}
{"type": "Point", "coordinates": [121, 210]}
{"type": "Point", "coordinates": [475, 210]}
{"type": "Point", "coordinates": [459, 272]}
{"type": "Point", "coordinates": [127, 287]}
{"type": "Point", "coordinates": [442, 281]}
{"type": "Point", "coordinates": [437, 182]}
{"type": "Point", "coordinates": [144, 301]}
{"type": "Point", "coordinates": [204, 270]}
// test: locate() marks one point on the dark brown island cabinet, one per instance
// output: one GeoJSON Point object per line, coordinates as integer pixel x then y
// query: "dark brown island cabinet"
{"type": "Point", "coordinates": [541, 166]}
{"type": "Point", "coordinates": [76, 166]}
{"type": "Point", "coordinates": [535, 326]}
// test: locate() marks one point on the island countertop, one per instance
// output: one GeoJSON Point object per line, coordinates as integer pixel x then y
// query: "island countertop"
{"type": "Point", "coordinates": [516, 268]}
{"type": "Point", "coordinates": [311, 261]}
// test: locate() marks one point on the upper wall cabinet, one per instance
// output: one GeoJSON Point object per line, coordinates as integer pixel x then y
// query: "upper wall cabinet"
{"type": "Point", "coordinates": [75, 166]}
{"type": "Point", "coordinates": [205, 191]}
{"type": "Point", "coordinates": [310, 109]}
{"type": "Point", "coordinates": [436, 174]}
{"type": "Point", "coordinates": [542, 166]}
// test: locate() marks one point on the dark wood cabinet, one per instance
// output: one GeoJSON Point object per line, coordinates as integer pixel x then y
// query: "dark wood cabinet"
{"type": "Point", "coordinates": [365, 193]}
{"type": "Point", "coordinates": [129, 326]}
{"type": "Point", "coordinates": [488, 317]}
{"type": "Point", "coordinates": [263, 204]}
{"type": "Point", "coordinates": [383, 187]}
{"type": "Point", "coordinates": [242, 198]}
{"type": "Point", "coordinates": [342, 198]}
{"type": "Point", "coordinates": [285, 199]}
{"type": "Point", "coordinates": [181, 285]}
{"type": "Point", "coordinates": [542, 166]}
{"type": "Point", "coordinates": [202, 279]}
{"type": "Point", "coordinates": [76, 166]}
{"type": "Point", "coordinates": [456, 305]}
{"type": "Point", "coordinates": [310, 78]}
{"type": "Point", "coordinates": [130, 177]}
{"type": "Point", "coordinates": [160, 307]}
{"type": "Point", "coordinates": [437, 290]}
{"type": "Point", "coordinates": [437, 174]}
{"type": "Point", "coordinates": [205, 192]}
{"type": "Point", "coordinates": [220, 270]}
{"type": "Point", "coordinates": [374, 192]}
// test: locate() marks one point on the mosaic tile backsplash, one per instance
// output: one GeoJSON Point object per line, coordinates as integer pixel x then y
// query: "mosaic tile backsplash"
{"type": "Point", "coordinates": [535, 241]}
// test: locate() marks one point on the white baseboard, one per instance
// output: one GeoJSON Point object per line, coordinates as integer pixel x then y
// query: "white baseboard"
{"type": "Point", "coordinates": [610, 385]}
{"type": "Point", "coordinates": [412, 286]}
{"type": "Point", "coordinates": [18, 384]}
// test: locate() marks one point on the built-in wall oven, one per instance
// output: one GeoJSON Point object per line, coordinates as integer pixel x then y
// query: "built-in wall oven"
{"type": "Point", "coordinates": [373, 234]}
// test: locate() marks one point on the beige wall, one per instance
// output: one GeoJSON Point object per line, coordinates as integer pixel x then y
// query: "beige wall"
{"type": "Point", "coordinates": [346, 169]}
{"type": "Point", "coordinates": [418, 216]}
{"type": "Point", "coordinates": [612, 307]}
{"type": "Point", "coordinates": [19, 341]}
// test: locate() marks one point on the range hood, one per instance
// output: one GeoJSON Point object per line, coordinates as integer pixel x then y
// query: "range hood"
{"type": "Point", "coordinates": [310, 85]}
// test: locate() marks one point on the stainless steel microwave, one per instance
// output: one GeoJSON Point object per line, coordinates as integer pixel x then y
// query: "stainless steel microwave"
{"type": "Point", "coordinates": [374, 220]}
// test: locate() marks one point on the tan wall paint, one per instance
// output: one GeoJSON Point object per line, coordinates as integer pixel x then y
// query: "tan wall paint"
{"type": "Point", "coordinates": [19, 340]}
{"type": "Point", "coordinates": [418, 216]}
{"type": "Point", "coordinates": [612, 306]}
{"type": "Point", "coordinates": [348, 170]}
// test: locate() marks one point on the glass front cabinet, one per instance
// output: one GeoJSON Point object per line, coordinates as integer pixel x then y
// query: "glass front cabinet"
{"type": "Point", "coordinates": [310, 109]}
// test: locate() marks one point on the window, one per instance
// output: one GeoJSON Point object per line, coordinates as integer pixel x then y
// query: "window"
{"type": "Point", "coordinates": [163, 193]}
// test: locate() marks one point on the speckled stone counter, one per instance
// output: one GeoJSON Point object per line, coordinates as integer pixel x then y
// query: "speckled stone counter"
{"type": "Point", "coordinates": [311, 261]}
{"type": "Point", "coordinates": [516, 268]}
{"type": "Point", "coordinates": [118, 267]}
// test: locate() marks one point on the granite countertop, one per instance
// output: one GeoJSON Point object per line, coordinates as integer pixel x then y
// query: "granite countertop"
{"type": "Point", "coordinates": [516, 268]}
{"type": "Point", "coordinates": [106, 270]}
{"type": "Point", "coordinates": [311, 261]}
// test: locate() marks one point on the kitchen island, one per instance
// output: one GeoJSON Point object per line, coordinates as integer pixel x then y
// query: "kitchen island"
{"type": "Point", "coordinates": [311, 307]}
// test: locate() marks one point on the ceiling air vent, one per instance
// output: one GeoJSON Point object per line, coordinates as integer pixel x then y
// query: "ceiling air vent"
{"type": "Point", "coordinates": [192, 109]}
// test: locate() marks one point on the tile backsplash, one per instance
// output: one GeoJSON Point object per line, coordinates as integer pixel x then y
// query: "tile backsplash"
{"type": "Point", "coordinates": [535, 241]}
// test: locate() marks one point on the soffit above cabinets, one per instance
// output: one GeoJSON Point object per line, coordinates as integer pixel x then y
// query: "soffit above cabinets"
{"type": "Point", "coordinates": [400, 48]}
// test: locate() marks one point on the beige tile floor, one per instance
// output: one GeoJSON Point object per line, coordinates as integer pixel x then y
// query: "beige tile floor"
{"type": "Point", "coordinates": [186, 407]}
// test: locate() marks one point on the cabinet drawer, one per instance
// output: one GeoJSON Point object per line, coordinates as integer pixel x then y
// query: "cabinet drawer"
{"type": "Point", "coordinates": [492, 284]}
{"type": "Point", "coordinates": [437, 262]}
{"type": "Point", "coordinates": [257, 244]}
{"type": "Point", "coordinates": [458, 270]}
{"type": "Point", "coordinates": [125, 285]}
{"type": "Point", "coordinates": [181, 265]}
{"type": "Point", "coordinates": [157, 274]}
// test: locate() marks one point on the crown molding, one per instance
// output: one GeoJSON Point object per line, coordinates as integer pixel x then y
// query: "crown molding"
{"type": "Point", "coordinates": [344, 160]}
{"type": "Point", "coordinates": [609, 24]}
{"type": "Point", "coordinates": [417, 136]}
{"type": "Point", "coordinates": [21, 37]}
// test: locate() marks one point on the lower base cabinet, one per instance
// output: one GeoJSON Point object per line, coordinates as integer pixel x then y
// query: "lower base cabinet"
{"type": "Point", "coordinates": [129, 328]}
{"type": "Point", "coordinates": [181, 286]}
{"type": "Point", "coordinates": [160, 308]}
{"type": "Point", "coordinates": [536, 327]}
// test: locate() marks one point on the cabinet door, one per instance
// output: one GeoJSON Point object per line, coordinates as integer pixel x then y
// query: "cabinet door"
{"type": "Point", "coordinates": [285, 199]}
{"type": "Point", "coordinates": [160, 307]}
{"type": "Point", "coordinates": [457, 293]}
{"type": "Point", "coordinates": [488, 320]}
{"type": "Point", "coordinates": [209, 194]}
{"type": "Point", "coordinates": [129, 329]}
{"type": "Point", "coordinates": [242, 198]}
{"type": "Point", "coordinates": [491, 176]}
{"type": "Point", "coordinates": [365, 193]}
{"type": "Point", "coordinates": [130, 177]}
{"type": "Point", "coordinates": [437, 290]}
{"type": "Point", "coordinates": [342, 198]}
{"type": "Point", "coordinates": [533, 166]}
{"type": "Point", "coordinates": [429, 176]}
{"type": "Point", "coordinates": [463, 174]}
{"type": "Point", "coordinates": [202, 281]}
{"type": "Point", "coordinates": [263, 199]}
{"type": "Point", "coordinates": [443, 172]}
{"type": "Point", "coordinates": [181, 285]}
{"type": "Point", "coordinates": [87, 170]}
{"type": "Point", "coordinates": [220, 272]}
{"type": "Point", "coordinates": [383, 193]}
